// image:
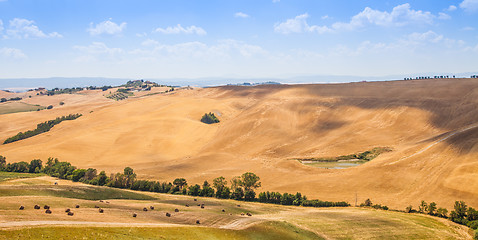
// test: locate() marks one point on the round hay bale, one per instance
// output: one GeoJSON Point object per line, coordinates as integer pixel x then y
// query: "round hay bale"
{"type": "Point", "coordinates": [151, 207]}
{"type": "Point", "coordinates": [187, 205]}
{"type": "Point", "coordinates": [202, 206]}
{"type": "Point", "coordinates": [96, 206]}
{"type": "Point", "coordinates": [67, 210]}
{"type": "Point", "coordinates": [242, 214]}
{"type": "Point", "coordinates": [223, 210]}
{"type": "Point", "coordinates": [176, 210]}
{"type": "Point", "coordinates": [48, 211]}
{"type": "Point", "coordinates": [145, 209]}
{"type": "Point", "coordinates": [198, 222]}
{"type": "Point", "coordinates": [46, 207]}
{"type": "Point", "coordinates": [238, 205]}
{"type": "Point", "coordinates": [77, 206]}
{"type": "Point", "coordinates": [249, 214]}
{"type": "Point", "coordinates": [21, 208]}
{"type": "Point", "coordinates": [199, 204]}
{"type": "Point", "coordinates": [70, 213]}
{"type": "Point", "coordinates": [36, 207]}
{"type": "Point", "coordinates": [101, 200]}
{"type": "Point", "coordinates": [195, 199]}
{"type": "Point", "coordinates": [100, 210]}
{"type": "Point", "coordinates": [107, 202]}
{"type": "Point", "coordinates": [134, 214]}
{"type": "Point", "coordinates": [168, 214]}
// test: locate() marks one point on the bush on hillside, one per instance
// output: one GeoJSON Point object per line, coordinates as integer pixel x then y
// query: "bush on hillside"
{"type": "Point", "coordinates": [209, 118]}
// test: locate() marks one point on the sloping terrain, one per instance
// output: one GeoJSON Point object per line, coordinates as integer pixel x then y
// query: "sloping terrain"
{"type": "Point", "coordinates": [429, 124]}
{"type": "Point", "coordinates": [219, 219]}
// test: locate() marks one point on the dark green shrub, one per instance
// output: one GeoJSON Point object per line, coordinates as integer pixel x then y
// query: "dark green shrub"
{"type": "Point", "coordinates": [209, 118]}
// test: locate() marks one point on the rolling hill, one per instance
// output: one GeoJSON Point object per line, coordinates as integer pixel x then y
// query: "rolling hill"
{"type": "Point", "coordinates": [429, 124]}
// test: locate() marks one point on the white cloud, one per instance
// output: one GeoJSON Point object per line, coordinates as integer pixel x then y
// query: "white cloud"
{"type": "Point", "coordinates": [452, 8]}
{"type": "Point", "coordinates": [275, 1]}
{"type": "Point", "coordinates": [400, 15]}
{"type": "Point", "coordinates": [469, 5]}
{"type": "Point", "coordinates": [149, 42]}
{"type": "Point", "coordinates": [299, 25]}
{"type": "Point", "coordinates": [12, 53]}
{"type": "Point", "coordinates": [325, 17]}
{"type": "Point", "coordinates": [467, 28]}
{"type": "Point", "coordinates": [443, 16]}
{"type": "Point", "coordinates": [179, 29]}
{"type": "Point", "coordinates": [106, 27]}
{"type": "Point", "coordinates": [98, 50]}
{"type": "Point", "coordinates": [241, 15]}
{"type": "Point", "coordinates": [23, 28]}
{"type": "Point", "coordinates": [429, 36]}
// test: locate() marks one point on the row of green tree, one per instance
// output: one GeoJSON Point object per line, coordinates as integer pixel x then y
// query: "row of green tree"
{"type": "Point", "coordinates": [461, 213]}
{"type": "Point", "coordinates": [41, 128]}
{"type": "Point", "coordinates": [11, 99]}
{"type": "Point", "coordinates": [241, 187]}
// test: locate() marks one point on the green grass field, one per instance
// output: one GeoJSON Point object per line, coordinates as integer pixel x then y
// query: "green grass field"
{"type": "Point", "coordinates": [15, 107]}
{"type": "Point", "coordinates": [263, 231]}
{"type": "Point", "coordinates": [5, 176]}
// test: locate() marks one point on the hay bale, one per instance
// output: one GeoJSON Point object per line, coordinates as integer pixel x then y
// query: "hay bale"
{"type": "Point", "coordinates": [249, 214]}
{"type": "Point", "coordinates": [107, 202]}
{"type": "Point", "coordinates": [242, 214]}
{"type": "Point", "coordinates": [151, 207]}
{"type": "Point", "coordinates": [198, 222]}
{"type": "Point", "coordinates": [36, 207]}
{"type": "Point", "coordinates": [145, 209]}
{"type": "Point", "coordinates": [134, 214]}
{"type": "Point", "coordinates": [187, 205]}
{"type": "Point", "coordinates": [195, 199]}
{"type": "Point", "coordinates": [176, 210]}
{"type": "Point", "coordinates": [70, 213]}
{"type": "Point", "coordinates": [96, 206]}
{"type": "Point", "coordinates": [21, 208]}
{"type": "Point", "coordinates": [238, 205]}
{"type": "Point", "coordinates": [77, 206]}
{"type": "Point", "coordinates": [46, 207]}
{"type": "Point", "coordinates": [223, 210]}
{"type": "Point", "coordinates": [168, 214]}
{"type": "Point", "coordinates": [67, 210]}
{"type": "Point", "coordinates": [202, 205]}
{"type": "Point", "coordinates": [100, 210]}
{"type": "Point", "coordinates": [48, 211]}
{"type": "Point", "coordinates": [199, 204]}
{"type": "Point", "coordinates": [101, 200]}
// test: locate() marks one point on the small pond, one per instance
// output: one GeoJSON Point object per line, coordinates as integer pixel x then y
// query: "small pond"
{"type": "Point", "coordinates": [335, 165]}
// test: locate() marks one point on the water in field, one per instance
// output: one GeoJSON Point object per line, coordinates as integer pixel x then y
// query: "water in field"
{"type": "Point", "coordinates": [335, 165]}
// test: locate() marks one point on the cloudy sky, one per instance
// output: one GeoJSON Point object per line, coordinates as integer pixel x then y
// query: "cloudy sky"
{"type": "Point", "coordinates": [236, 38]}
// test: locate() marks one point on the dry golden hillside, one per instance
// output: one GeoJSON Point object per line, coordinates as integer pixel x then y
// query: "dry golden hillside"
{"type": "Point", "coordinates": [430, 124]}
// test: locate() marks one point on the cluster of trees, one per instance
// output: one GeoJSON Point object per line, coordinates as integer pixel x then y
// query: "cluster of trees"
{"type": "Point", "coordinates": [241, 187]}
{"type": "Point", "coordinates": [63, 91]}
{"type": "Point", "coordinates": [11, 99]}
{"type": "Point", "coordinates": [461, 213]}
{"type": "Point", "coordinates": [368, 203]}
{"type": "Point", "coordinates": [209, 118]}
{"type": "Point", "coordinates": [41, 128]}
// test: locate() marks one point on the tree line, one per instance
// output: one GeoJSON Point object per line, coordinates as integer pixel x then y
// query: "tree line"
{"type": "Point", "coordinates": [241, 188]}
{"type": "Point", "coordinates": [41, 128]}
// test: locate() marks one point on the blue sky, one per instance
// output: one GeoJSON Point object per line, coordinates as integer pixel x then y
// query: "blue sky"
{"type": "Point", "coordinates": [243, 38]}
